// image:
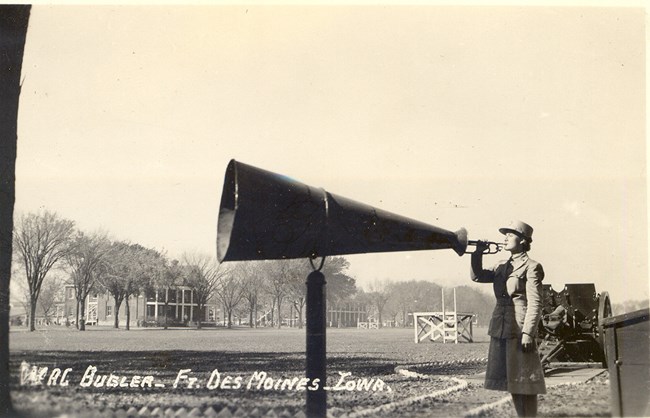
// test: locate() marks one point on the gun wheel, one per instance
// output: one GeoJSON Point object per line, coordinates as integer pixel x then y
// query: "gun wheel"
{"type": "Point", "coordinates": [604, 311]}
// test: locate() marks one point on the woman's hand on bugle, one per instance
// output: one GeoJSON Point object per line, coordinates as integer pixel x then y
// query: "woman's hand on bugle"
{"type": "Point", "coordinates": [482, 246]}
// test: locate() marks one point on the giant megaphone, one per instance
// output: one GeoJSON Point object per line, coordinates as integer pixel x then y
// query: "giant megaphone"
{"type": "Point", "coordinates": [267, 216]}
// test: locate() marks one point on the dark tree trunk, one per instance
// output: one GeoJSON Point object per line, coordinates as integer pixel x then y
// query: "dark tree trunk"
{"type": "Point", "coordinates": [299, 310]}
{"type": "Point", "coordinates": [273, 313]}
{"type": "Point", "coordinates": [32, 315]}
{"type": "Point", "coordinates": [76, 319]}
{"type": "Point", "coordinates": [118, 303]}
{"type": "Point", "coordinates": [82, 315]}
{"type": "Point", "coordinates": [166, 309]}
{"type": "Point", "coordinates": [128, 314]}
{"type": "Point", "coordinates": [13, 26]}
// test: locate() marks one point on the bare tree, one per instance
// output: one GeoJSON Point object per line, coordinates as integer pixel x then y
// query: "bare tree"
{"type": "Point", "coordinates": [202, 275]}
{"type": "Point", "coordinates": [297, 288]}
{"type": "Point", "coordinates": [414, 296]}
{"type": "Point", "coordinates": [84, 260]}
{"type": "Point", "coordinates": [24, 297]}
{"type": "Point", "coordinates": [14, 20]}
{"type": "Point", "coordinates": [41, 241]}
{"type": "Point", "coordinates": [112, 276]}
{"type": "Point", "coordinates": [270, 317]}
{"type": "Point", "coordinates": [391, 309]}
{"type": "Point", "coordinates": [277, 284]}
{"type": "Point", "coordinates": [265, 303]}
{"type": "Point", "coordinates": [141, 273]}
{"type": "Point", "coordinates": [340, 286]}
{"type": "Point", "coordinates": [51, 290]}
{"type": "Point", "coordinates": [252, 279]}
{"type": "Point", "coordinates": [379, 294]}
{"type": "Point", "coordinates": [230, 290]}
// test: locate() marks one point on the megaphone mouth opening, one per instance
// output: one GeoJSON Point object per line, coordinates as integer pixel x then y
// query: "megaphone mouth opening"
{"type": "Point", "coordinates": [461, 244]}
{"type": "Point", "coordinates": [224, 230]}
{"type": "Point", "coordinates": [227, 211]}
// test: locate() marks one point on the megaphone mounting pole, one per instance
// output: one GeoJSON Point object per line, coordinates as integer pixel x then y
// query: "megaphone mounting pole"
{"type": "Point", "coordinates": [316, 402]}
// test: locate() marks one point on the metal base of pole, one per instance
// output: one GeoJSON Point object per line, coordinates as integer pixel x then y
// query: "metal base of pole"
{"type": "Point", "coordinates": [316, 345]}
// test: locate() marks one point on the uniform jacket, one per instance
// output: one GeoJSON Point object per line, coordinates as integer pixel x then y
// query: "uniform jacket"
{"type": "Point", "coordinates": [517, 284]}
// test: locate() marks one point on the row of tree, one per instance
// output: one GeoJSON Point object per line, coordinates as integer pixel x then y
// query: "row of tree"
{"type": "Point", "coordinates": [393, 302]}
{"type": "Point", "coordinates": [94, 263]}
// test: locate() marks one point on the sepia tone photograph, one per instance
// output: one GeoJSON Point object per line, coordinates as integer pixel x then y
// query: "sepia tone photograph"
{"type": "Point", "coordinates": [324, 210]}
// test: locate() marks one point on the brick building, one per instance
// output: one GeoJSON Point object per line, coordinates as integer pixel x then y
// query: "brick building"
{"type": "Point", "coordinates": [145, 309]}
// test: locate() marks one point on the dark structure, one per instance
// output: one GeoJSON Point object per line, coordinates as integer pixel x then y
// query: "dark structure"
{"type": "Point", "coordinates": [571, 327]}
{"type": "Point", "coordinates": [627, 343]}
{"type": "Point", "coordinates": [14, 20]}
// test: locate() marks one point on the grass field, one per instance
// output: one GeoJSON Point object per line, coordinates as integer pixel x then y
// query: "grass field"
{"type": "Point", "coordinates": [346, 340]}
{"type": "Point", "coordinates": [216, 358]}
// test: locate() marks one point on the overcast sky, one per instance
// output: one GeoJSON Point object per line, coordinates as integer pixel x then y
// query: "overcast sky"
{"type": "Point", "coordinates": [455, 116]}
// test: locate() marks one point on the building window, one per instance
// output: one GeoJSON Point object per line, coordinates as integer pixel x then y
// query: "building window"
{"type": "Point", "coordinates": [109, 310]}
{"type": "Point", "coordinates": [70, 293]}
{"type": "Point", "coordinates": [187, 296]}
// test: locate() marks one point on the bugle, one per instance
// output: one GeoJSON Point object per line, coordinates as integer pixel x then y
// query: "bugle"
{"type": "Point", "coordinates": [492, 247]}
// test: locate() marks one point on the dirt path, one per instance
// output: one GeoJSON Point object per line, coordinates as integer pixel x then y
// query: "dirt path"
{"type": "Point", "coordinates": [574, 392]}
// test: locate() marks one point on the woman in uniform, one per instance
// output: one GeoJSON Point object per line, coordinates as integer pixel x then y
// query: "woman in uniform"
{"type": "Point", "coordinates": [513, 361]}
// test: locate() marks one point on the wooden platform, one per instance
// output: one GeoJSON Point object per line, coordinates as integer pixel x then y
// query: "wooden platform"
{"type": "Point", "coordinates": [444, 326]}
{"type": "Point", "coordinates": [451, 326]}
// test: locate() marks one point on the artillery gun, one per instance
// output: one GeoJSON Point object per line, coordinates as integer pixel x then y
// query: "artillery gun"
{"type": "Point", "coordinates": [571, 328]}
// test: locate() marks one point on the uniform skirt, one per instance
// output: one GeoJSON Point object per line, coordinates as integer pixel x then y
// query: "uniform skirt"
{"type": "Point", "coordinates": [510, 369]}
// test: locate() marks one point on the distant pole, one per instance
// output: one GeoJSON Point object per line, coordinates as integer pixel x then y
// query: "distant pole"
{"type": "Point", "coordinates": [455, 310]}
{"type": "Point", "coordinates": [442, 291]}
{"type": "Point", "coordinates": [316, 345]}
